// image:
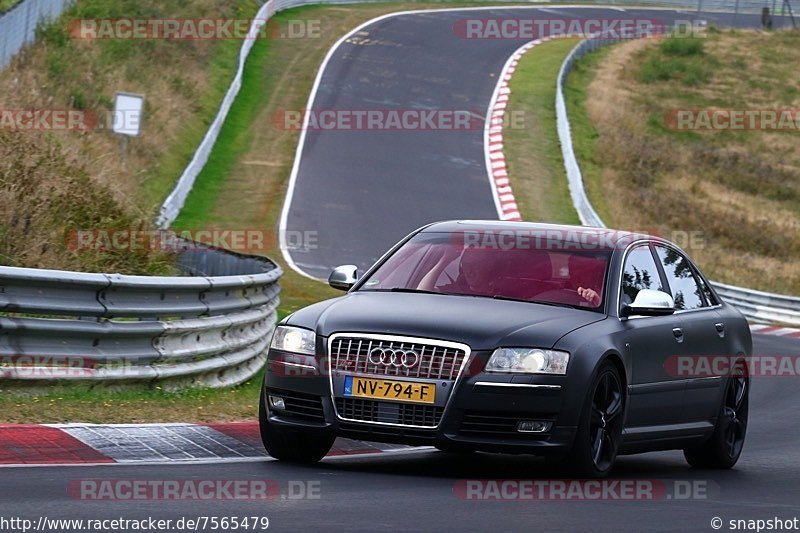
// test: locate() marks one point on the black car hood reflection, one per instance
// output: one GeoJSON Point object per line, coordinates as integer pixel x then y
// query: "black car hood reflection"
{"type": "Point", "coordinates": [482, 323]}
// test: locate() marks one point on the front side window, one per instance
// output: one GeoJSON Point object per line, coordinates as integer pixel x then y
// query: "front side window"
{"type": "Point", "coordinates": [640, 272]}
{"type": "Point", "coordinates": [444, 263]}
{"type": "Point", "coordinates": [680, 277]}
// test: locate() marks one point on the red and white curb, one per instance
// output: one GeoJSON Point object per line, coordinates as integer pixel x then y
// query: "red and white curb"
{"type": "Point", "coordinates": [762, 329]}
{"type": "Point", "coordinates": [63, 444]}
{"type": "Point", "coordinates": [505, 201]}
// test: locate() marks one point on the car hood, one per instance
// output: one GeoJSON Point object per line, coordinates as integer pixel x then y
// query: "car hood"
{"type": "Point", "coordinates": [482, 323]}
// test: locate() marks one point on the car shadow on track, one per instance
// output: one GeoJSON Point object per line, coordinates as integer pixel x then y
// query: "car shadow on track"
{"type": "Point", "coordinates": [441, 465]}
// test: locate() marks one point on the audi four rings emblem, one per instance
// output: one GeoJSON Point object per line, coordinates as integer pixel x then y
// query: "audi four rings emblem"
{"type": "Point", "coordinates": [394, 357]}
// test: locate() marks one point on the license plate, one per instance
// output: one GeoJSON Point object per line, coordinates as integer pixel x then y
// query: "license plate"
{"type": "Point", "coordinates": [388, 389]}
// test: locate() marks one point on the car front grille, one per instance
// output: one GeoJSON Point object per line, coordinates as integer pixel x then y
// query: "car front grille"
{"type": "Point", "coordinates": [352, 354]}
{"type": "Point", "coordinates": [406, 414]}
{"type": "Point", "coordinates": [299, 405]}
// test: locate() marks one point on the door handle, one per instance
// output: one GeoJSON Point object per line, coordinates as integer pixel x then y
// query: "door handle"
{"type": "Point", "coordinates": [720, 327]}
{"type": "Point", "coordinates": [678, 332]}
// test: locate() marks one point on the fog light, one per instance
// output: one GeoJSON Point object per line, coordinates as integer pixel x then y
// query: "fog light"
{"type": "Point", "coordinates": [533, 426]}
{"type": "Point", "coordinates": [276, 402]}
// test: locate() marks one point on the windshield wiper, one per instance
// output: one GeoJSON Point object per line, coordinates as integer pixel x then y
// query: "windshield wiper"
{"type": "Point", "coordinates": [512, 299]}
{"type": "Point", "coordinates": [421, 291]}
{"type": "Point", "coordinates": [404, 289]}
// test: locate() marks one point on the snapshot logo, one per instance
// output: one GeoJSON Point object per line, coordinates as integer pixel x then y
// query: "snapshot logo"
{"type": "Point", "coordinates": [536, 28]}
{"type": "Point", "coordinates": [389, 120]}
{"type": "Point", "coordinates": [137, 490]}
{"type": "Point", "coordinates": [239, 240]}
{"type": "Point", "coordinates": [181, 29]}
{"type": "Point", "coordinates": [733, 119]}
{"type": "Point", "coordinates": [708, 366]}
{"type": "Point", "coordinates": [582, 489]}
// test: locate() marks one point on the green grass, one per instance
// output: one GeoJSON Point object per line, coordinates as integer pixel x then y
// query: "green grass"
{"type": "Point", "coordinates": [584, 134]}
{"type": "Point", "coordinates": [158, 184]}
{"type": "Point", "coordinates": [533, 153]}
{"type": "Point", "coordinates": [102, 405]}
{"type": "Point", "coordinates": [234, 136]}
{"type": "Point", "coordinates": [5, 5]}
{"type": "Point", "coordinates": [678, 58]}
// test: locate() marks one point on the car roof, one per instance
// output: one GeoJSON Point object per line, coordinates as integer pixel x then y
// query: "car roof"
{"type": "Point", "coordinates": [618, 237]}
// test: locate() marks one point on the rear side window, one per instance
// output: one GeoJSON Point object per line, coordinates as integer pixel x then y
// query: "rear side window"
{"type": "Point", "coordinates": [710, 298]}
{"type": "Point", "coordinates": [640, 272]}
{"type": "Point", "coordinates": [685, 290]}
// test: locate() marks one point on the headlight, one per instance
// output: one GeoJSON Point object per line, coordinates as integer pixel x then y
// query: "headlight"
{"type": "Point", "coordinates": [528, 361]}
{"type": "Point", "coordinates": [296, 340]}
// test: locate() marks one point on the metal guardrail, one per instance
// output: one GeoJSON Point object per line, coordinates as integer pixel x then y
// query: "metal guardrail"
{"type": "Point", "coordinates": [200, 331]}
{"type": "Point", "coordinates": [18, 25]}
{"type": "Point", "coordinates": [756, 305]}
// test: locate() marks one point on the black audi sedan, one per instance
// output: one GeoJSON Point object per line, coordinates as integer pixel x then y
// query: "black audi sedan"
{"type": "Point", "coordinates": [565, 341]}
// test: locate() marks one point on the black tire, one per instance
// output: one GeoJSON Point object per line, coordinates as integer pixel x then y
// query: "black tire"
{"type": "Point", "coordinates": [292, 445]}
{"type": "Point", "coordinates": [723, 449]}
{"type": "Point", "coordinates": [600, 426]}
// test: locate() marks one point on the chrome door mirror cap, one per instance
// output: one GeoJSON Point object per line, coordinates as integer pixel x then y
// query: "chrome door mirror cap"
{"type": "Point", "coordinates": [650, 302]}
{"type": "Point", "coordinates": [343, 277]}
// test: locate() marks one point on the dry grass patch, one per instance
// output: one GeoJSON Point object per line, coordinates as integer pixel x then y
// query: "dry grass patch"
{"type": "Point", "coordinates": [741, 189]}
{"type": "Point", "coordinates": [79, 179]}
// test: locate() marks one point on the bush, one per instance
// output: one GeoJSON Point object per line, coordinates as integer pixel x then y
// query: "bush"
{"type": "Point", "coordinates": [677, 58]}
{"type": "Point", "coordinates": [37, 212]}
{"type": "Point", "coordinates": [682, 46]}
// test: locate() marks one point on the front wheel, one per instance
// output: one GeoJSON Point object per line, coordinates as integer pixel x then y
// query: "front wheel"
{"type": "Point", "coordinates": [600, 426]}
{"type": "Point", "coordinates": [292, 445]}
{"type": "Point", "coordinates": [724, 447]}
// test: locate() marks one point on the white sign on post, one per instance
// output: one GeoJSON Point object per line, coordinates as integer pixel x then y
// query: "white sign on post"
{"type": "Point", "coordinates": [128, 114]}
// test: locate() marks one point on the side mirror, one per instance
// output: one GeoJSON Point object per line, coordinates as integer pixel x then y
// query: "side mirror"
{"type": "Point", "coordinates": [650, 303]}
{"type": "Point", "coordinates": [343, 277]}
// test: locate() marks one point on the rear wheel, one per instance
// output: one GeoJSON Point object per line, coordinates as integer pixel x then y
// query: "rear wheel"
{"type": "Point", "coordinates": [600, 427]}
{"type": "Point", "coordinates": [724, 447]}
{"type": "Point", "coordinates": [292, 445]}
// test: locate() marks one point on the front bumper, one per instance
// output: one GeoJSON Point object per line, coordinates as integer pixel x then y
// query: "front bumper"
{"type": "Point", "coordinates": [481, 413]}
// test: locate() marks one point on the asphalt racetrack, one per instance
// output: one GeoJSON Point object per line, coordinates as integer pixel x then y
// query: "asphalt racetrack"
{"type": "Point", "coordinates": [359, 192]}
{"type": "Point", "coordinates": [414, 491]}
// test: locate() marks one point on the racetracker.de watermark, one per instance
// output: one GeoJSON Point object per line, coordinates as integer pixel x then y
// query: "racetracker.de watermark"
{"type": "Point", "coordinates": [708, 366]}
{"type": "Point", "coordinates": [192, 29]}
{"type": "Point", "coordinates": [392, 120]}
{"type": "Point", "coordinates": [76, 120]}
{"type": "Point", "coordinates": [238, 240]}
{"type": "Point", "coordinates": [32, 366]}
{"type": "Point", "coordinates": [138, 490]}
{"type": "Point", "coordinates": [583, 489]}
{"type": "Point", "coordinates": [568, 239]}
{"type": "Point", "coordinates": [47, 120]}
{"type": "Point", "coordinates": [536, 28]}
{"type": "Point", "coordinates": [733, 119]}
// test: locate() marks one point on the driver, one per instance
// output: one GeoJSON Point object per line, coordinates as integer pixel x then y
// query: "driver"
{"type": "Point", "coordinates": [476, 271]}
{"type": "Point", "coordinates": [590, 295]}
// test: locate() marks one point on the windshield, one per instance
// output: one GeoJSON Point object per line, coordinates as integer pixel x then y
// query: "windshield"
{"type": "Point", "coordinates": [443, 263]}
